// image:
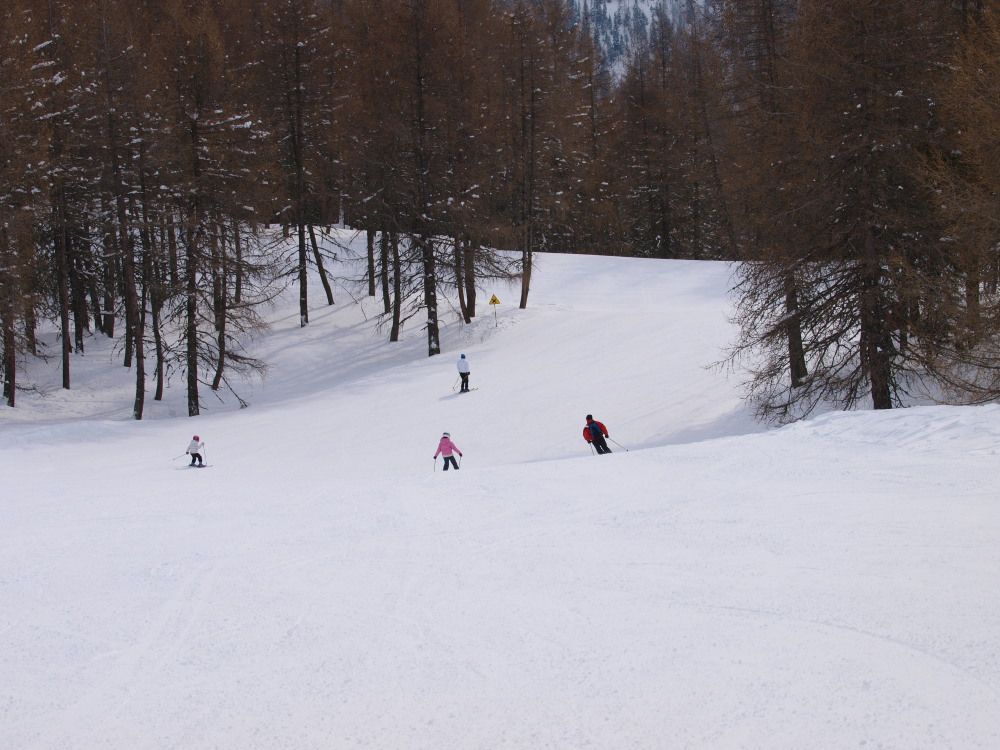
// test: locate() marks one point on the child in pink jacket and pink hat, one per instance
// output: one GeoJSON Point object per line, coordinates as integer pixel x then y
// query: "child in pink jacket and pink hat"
{"type": "Point", "coordinates": [447, 449]}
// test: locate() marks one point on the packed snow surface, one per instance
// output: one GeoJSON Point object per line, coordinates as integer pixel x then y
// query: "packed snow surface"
{"type": "Point", "coordinates": [831, 584]}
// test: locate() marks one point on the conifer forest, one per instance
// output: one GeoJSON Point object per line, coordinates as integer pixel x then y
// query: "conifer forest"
{"type": "Point", "coordinates": [168, 166]}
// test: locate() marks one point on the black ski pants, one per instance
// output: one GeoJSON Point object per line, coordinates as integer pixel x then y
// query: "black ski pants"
{"type": "Point", "coordinates": [453, 462]}
{"type": "Point", "coordinates": [465, 380]}
{"type": "Point", "coordinates": [600, 445]}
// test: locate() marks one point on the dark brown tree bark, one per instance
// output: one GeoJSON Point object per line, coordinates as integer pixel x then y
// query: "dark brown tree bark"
{"type": "Point", "coordinates": [303, 276]}
{"type": "Point", "coordinates": [152, 284]}
{"type": "Point", "coordinates": [370, 243]}
{"type": "Point", "coordinates": [469, 271]}
{"type": "Point", "coordinates": [219, 294]}
{"type": "Point", "coordinates": [793, 330]}
{"type": "Point", "coordinates": [9, 353]}
{"type": "Point", "coordinates": [296, 132]}
{"type": "Point", "coordinates": [383, 243]}
{"type": "Point", "coordinates": [876, 340]}
{"type": "Point", "coordinates": [318, 256]}
{"type": "Point", "coordinates": [62, 282]}
{"type": "Point", "coordinates": [238, 252]}
{"type": "Point", "coordinates": [110, 268]}
{"type": "Point", "coordinates": [193, 235]}
{"type": "Point", "coordinates": [397, 296]}
{"type": "Point", "coordinates": [8, 321]}
{"type": "Point", "coordinates": [425, 247]}
{"type": "Point", "coordinates": [460, 280]}
{"type": "Point", "coordinates": [421, 236]}
{"type": "Point", "coordinates": [528, 111]}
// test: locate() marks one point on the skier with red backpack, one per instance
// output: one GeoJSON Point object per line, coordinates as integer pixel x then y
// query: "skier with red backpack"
{"type": "Point", "coordinates": [594, 433]}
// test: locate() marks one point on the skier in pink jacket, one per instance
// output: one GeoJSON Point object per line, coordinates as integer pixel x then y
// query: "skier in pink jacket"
{"type": "Point", "coordinates": [447, 449]}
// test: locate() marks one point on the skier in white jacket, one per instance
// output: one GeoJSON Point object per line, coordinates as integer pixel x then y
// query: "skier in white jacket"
{"type": "Point", "coordinates": [194, 449]}
{"type": "Point", "coordinates": [463, 372]}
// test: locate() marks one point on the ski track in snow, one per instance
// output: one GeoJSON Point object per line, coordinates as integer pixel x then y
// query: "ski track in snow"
{"type": "Point", "coordinates": [826, 585]}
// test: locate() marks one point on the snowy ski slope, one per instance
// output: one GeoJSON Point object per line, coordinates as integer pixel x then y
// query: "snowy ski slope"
{"type": "Point", "coordinates": [831, 584]}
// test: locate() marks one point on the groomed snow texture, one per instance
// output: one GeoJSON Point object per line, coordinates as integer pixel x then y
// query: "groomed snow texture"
{"type": "Point", "coordinates": [831, 584]}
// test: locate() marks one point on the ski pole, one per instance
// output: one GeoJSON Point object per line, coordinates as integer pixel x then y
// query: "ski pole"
{"type": "Point", "coordinates": [180, 456]}
{"type": "Point", "coordinates": [619, 445]}
{"type": "Point", "coordinates": [460, 460]}
{"type": "Point", "coordinates": [456, 382]}
{"type": "Point", "coordinates": [204, 453]}
{"type": "Point", "coordinates": [591, 446]}
{"type": "Point", "coordinates": [435, 463]}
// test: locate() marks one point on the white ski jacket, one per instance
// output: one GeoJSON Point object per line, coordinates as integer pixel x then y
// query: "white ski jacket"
{"type": "Point", "coordinates": [194, 447]}
{"type": "Point", "coordinates": [463, 365]}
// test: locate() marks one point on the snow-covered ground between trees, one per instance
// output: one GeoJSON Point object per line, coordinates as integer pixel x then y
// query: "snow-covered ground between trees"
{"type": "Point", "coordinates": [831, 584]}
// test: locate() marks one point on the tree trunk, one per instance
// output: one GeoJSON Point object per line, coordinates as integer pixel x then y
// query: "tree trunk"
{"type": "Point", "coordinates": [526, 260]}
{"type": "Point", "coordinates": [383, 244]}
{"type": "Point", "coordinates": [62, 281]}
{"type": "Point", "coordinates": [529, 105]}
{"type": "Point", "coordinates": [59, 210]}
{"type": "Point", "coordinates": [110, 270]}
{"type": "Point", "coordinates": [151, 283]}
{"type": "Point", "coordinates": [194, 236]}
{"type": "Point", "coordinates": [460, 281]}
{"type": "Point", "coordinates": [426, 245]}
{"type": "Point", "coordinates": [7, 323]}
{"type": "Point", "coordinates": [9, 350]}
{"type": "Point", "coordinates": [191, 313]}
{"type": "Point", "coordinates": [219, 292]}
{"type": "Point", "coordinates": [796, 352]}
{"type": "Point", "coordinates": [238, 249]}
{"type": "Point", "coordinates": [300, 188]}
{"type": "Point", "coordinates": [423, 209]}
{"type": "Point", "coordinates": [370, 238]}
{"type": "Point", "coordinates": [78, 294]}
{"type": "Point", "coordinates": [95, 297]}
{"type": "Point", "coordinates": [469, 268]}
{"type": "Point", "coordinates": [303, 278]}
{"type": "Point", "coordinates": [876, 350]}
{"type": "Point", "coordinates": [319, 265]}
{"type": "Point", "coordinates": [137, 334]}
{"type": "Point", "coordinates": [155, 284]}
{"type": "Point", "coordinates": [397, 301]}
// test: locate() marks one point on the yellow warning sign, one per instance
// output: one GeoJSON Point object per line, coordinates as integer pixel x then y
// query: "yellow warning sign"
{"type": "Point", "coordinates": [494, 300]}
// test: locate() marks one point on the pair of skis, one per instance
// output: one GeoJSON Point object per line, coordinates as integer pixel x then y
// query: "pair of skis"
{"type": "Point", "coordinates": [456, 386]}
